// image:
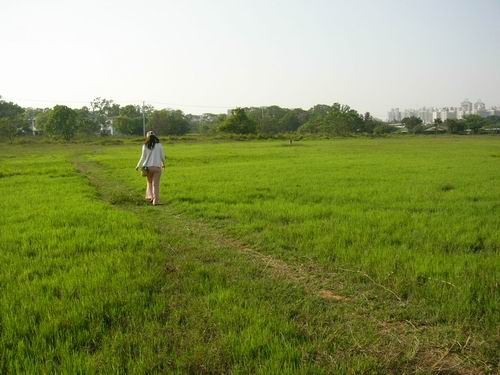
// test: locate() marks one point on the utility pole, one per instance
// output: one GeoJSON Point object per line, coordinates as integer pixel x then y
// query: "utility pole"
{"type": "Point", "coordinates": [143, 120]}
{"type": "Point", "coordinates": [261, 118]}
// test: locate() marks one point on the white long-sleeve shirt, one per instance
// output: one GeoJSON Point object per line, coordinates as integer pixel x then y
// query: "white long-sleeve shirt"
{"type": "Point", "coordinates": [152, 158]}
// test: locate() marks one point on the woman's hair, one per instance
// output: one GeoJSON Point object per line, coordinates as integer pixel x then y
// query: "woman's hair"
{"type": "Point", "coordinates": [151, 140]}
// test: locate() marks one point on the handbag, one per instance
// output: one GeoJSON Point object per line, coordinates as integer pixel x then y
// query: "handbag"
{"type": "Point", "coordinates": [144, 169]}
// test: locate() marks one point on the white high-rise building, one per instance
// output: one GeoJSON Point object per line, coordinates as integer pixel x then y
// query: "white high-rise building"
{"type": "Point", "coordinates": [429, 115]}
{"type": "Point", "coordinates": [479, 106]}
{"type": "Point", "coordinates": [436, 114]}
{"type": "Point", "coordinates": [466, 106]}
{"type": "Point", "coordinates": [425, 114]}
{"type": "Point", "coordinates": [448, 114]}
{"type": "Point", "coordinates": [394, 115]}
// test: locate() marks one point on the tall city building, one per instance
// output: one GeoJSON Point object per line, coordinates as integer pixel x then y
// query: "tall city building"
{"type": "Point", "coordinates": [429, 115]}
{"type": "Point", "coordinates": [394, 115]}
{"type": "Point", "coordinates": [466, 105]}
{"type": "Point", "coordinates": [479, 106]}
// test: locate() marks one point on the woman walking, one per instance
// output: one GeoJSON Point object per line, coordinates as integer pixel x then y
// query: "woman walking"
{"type": "Point", "coordinates": [153, 160]}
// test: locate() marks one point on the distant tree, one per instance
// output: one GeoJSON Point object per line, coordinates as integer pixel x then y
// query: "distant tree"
{"type": "Point", "coordinates": [290, 122]}
{"type": "Point", "coordinates": [12, 120]}
{"type": "Point", "coordinates": [314, 125]}
{"type": "Point", "coordinates": [169, 122]}
{"type": "Point", "coordinates": [267, 125]}
{"type": "Point", "coordinates": [384, 129]}
{"type": "Point", "coordinates": [128, 125]}
{"type": "Point", "coordinates": [493, 120]}
{"type": "Point", "coordinates": [338, 120]}
{"type": "Point", "coordinates": [29, 119]}
{"type": "Point", "coordinates": [474, 123]}
{"type": "Point", "coordinates": [319, 110]}
{"type": "Point", "coordinates": [302, 115]}
{"type": "Point", "coordinates": [86, 122]}
{"type": "Point", "coordinates": [454, 126]}
{"type": "Point", "coordinates": [492, 124]}
{"type": "Point", "coordinates": [130, 111]}
{"type": "Point", "coordinates": [42, 118]}
{"type": "Point", "coordinates": [411, 123]}
{"type": "Point", "coordinates": [369, 124]}
{"type": "Point", "coordinates": [437, 125]}
{"type": "Point", "coordinates": [62, 122]}
{"type": "Point", "coordinates": [8, 129]}
{"type": "Point", "coordinates": [419, 129]}
{"type": "Point", "coordinates": [238, 123]}
{"type": "Point", "coordinates": [367, 117]}
{"type": "Point", "coordinates": [129, 121]}
{"type": "Point", "coordinates": [270, 120]}
{"type": "Point", "coordinates": [9, 109]}
{"type": "Point", "coordinates": [102, 111]}
{"type": "Point", "coordinates": [209, 122]}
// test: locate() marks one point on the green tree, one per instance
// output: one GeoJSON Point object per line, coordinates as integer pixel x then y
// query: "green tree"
{"type": "Point", "coordinates": [29, 119]}
{"type": "Point", "coordinates": [266, 125]}
{"type": "Point", "coordinates": [238, 123]}
{"type": "Point", "coordinates": [419, 129]}
{"type": "Point", "coordinates": [42, 118]}
{"type": "Point", "coordinates": [209, 122]}
{"type": "Point", "coordinates": [411, 123]}
{"type": "Point", "coordinates": [12, 120]}
{"type": "Point", "coordinates": [102, 111]}
{"type": "Point", "coordinates": [383, 128]}
{"type": "Point", "coordinates": [86, 122]}
{"type": "Point", "coordinates": [454, 126]}
{"type": "Point", "coordinates": [266, 118]}
{"type": "Point", "coordinates": [169, 122]}
{"type": "Point", "coordinates": [62, 122]}
{"type": "Point", "coordinates": [337, 120]}
{"type": "Point", "coordinates": [9, 109]}
{"type": "Point", "coordinates": [8, 128]}
{"type": "Point", "coordinates": [474, 123]}
{"type": "Point", "coordinates": [128, 125]}
{"type": "Point", "coordinates": [319, 110]}
{"type": "Point", "coordinates": [290, 122]}
{"type": "Point", "coordinates": [129, 121]}
{"type": "Point", "coordinates": [369, 124]}
{"type": "Point", "coordinates": [131, 111]}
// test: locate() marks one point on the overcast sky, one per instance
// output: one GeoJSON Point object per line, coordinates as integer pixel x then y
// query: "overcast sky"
{"type": "Point", "coordinates": [202, 56]}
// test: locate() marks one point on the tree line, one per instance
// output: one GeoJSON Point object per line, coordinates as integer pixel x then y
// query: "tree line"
{"type": "Point", "coordinates": [103, 116]}
{"type": "Point", "coordinates": [471, 124]}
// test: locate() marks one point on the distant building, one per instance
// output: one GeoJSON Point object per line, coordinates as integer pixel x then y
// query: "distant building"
{"type": "Point", "coordinates": [494, 111]}
{"type": "Point", "coordinates": [429, 115]}
{"type": "Point", "coordinates": [425, 114]}
{"type": "Point", "coordinates": [479, 106]}
{"type": "Point", "coordinates": [448, 114]}
{"type": "Point", "coordinates": [394, 115]}
{"type": "Point", "coordinates": [466, 106]}
{"type": "Point", "coordinates": [436, 115]}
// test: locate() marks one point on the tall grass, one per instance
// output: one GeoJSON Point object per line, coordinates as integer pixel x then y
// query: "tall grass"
{"type": "Point", "coordinates": [419, 215]}
{"type": "Point", "coordinates": [74, 272]}
{"type": "Point", "coordinates": [92, 281]}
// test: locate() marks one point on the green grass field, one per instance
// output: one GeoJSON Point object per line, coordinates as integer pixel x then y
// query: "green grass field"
{"type": "Point", "coordinates": [326, 256]}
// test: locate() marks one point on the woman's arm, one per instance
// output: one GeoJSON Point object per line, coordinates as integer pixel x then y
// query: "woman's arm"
{"type": "Point", "coordinates": [143, 157]}
{"type": "Point", "coordinates": [162, 155]}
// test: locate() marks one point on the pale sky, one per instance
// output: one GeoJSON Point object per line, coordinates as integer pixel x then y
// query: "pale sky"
{"type": "Point", "coordinates": [207, 56]}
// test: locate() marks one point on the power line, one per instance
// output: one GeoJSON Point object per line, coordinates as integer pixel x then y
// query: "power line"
{"type": "Point", "coordinates": [118, 101]}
